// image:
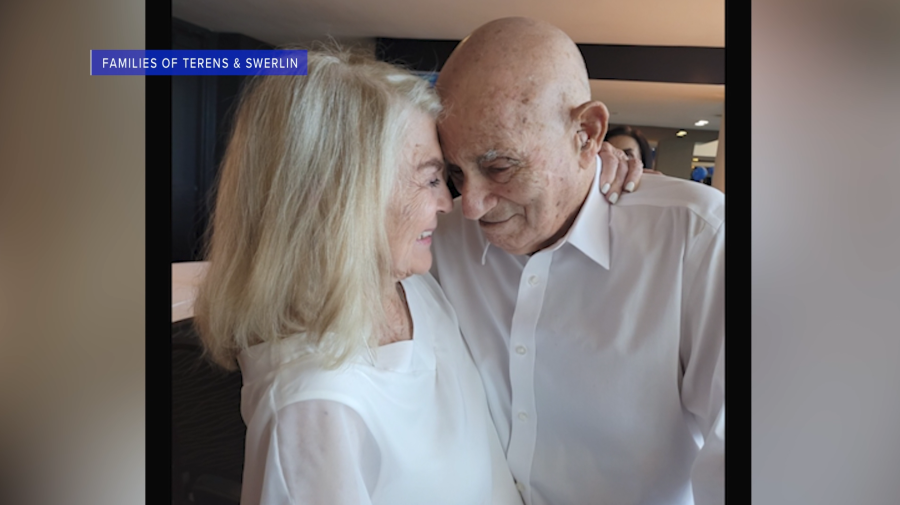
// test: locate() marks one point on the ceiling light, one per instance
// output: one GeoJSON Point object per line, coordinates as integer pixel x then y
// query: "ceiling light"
{"type": "Point", "coordinates": [696, 159]}
{"type": "Point", "coordinates": [702, 122]}
{"type": "Point", "coordinates": [681, 133]}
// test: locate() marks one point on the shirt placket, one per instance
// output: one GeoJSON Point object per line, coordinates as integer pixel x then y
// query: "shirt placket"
{"type": "Point", "coordinates": [523, 433]}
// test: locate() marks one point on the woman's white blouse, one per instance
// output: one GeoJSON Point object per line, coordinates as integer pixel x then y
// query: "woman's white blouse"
{"type": "Point", "coordinates": [411, 427]}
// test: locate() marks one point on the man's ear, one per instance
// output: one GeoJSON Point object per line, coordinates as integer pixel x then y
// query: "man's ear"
{"type": "Point", "coordinates": [592, 119]}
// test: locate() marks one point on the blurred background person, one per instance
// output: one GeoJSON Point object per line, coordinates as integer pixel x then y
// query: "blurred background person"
{"type": "Point", "coordinates": [634, 144]}
{"type": "Point", "coordinates": [703, 175]}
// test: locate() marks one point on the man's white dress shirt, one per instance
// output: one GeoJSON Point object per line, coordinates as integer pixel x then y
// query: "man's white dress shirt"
{"type": "Point", "coordinates": [409, 427]}
{"type": "Point", "coordinates": [603, 355]}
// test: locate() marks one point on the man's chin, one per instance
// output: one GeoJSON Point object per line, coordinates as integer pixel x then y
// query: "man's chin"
{"type": "Point", "coordinates": [509, 244]}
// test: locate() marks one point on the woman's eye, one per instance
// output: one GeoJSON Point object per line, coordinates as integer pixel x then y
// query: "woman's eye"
{"type": "Point", "coordinates": [434, 183]}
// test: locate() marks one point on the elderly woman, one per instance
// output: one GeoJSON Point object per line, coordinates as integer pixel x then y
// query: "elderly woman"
{"type": "Point", "coordinates": [358, 387]}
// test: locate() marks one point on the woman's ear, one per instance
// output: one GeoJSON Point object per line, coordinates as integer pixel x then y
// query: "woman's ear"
{"type": "Point", "coordinates": [592, 119]}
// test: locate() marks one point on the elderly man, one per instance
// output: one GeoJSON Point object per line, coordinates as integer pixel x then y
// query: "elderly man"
{"type": "Point", "coordinates": [598, 329]}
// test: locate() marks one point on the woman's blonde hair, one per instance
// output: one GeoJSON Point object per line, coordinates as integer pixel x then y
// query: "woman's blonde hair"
{"type": "Point", "coordinates": [298, 246]}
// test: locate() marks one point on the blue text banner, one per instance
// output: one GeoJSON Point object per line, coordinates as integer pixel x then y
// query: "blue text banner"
{"type": "Point", "coordinates": [198, 62]}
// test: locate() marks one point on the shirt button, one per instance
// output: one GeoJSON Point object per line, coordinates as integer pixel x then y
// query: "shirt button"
{"type": "Point", "coordinates": [534, 280]}
{"type": "Point", "coordinates": [521, 349]}
{"type": "Point", "coordinates": [523, 416]}
{"type": "Point", "coordinates": [520, 487]}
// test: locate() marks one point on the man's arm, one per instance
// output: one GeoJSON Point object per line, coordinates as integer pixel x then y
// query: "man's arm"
{"type": "Point", "coordinates": [703, 359]}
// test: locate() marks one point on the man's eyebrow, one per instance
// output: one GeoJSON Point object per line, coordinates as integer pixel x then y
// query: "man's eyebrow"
{"type": "Point", "coordinates": [493, 155]}
{"type": "Point", "coordinates": [488, 156]}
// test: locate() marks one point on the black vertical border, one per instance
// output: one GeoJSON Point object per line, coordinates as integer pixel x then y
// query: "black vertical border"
{"type": "Point", "coordinates": [737, 243]}
{"type": "Point", "coordinates": [158, 269]}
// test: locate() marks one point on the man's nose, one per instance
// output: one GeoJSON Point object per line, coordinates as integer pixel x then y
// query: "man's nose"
{"type": "Point", "coordinates": [476, 197]}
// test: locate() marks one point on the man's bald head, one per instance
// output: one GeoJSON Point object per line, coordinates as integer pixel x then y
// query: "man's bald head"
{"type": "Point", "coordinates": [519, 131]}
{"type": "Point", "coordinates": [519, 60]}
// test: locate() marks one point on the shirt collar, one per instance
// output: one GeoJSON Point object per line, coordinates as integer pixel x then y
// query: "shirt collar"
{"type": "Point", "coordinates": [590, 231]}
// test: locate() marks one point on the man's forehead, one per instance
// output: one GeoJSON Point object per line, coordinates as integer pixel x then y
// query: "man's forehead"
{"type": "Point", "coordinates": [479, 142]}
{"type": "Point", "coordinates": [499, 87]}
